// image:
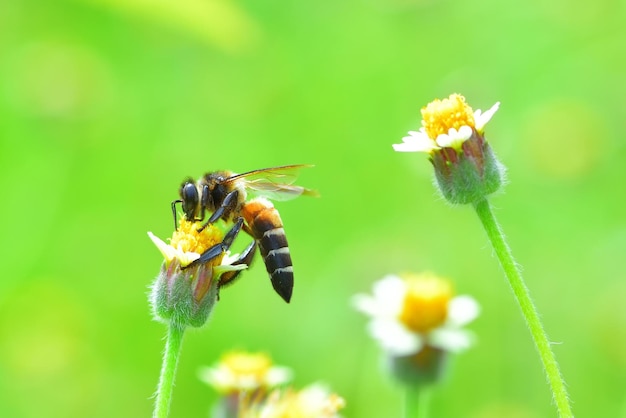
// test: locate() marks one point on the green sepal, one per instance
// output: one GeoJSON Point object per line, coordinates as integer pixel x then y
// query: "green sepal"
{"type": "Point", "coordinates": [424, 368]}
{"type": "Point", "coordinates": [468, 175]}
{"type": "Point", "coordinates": [184, 297]}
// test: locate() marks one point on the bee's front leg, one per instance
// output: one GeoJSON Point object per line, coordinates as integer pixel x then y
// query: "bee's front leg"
{"type": "Point", "coordinates": [174, 203]}
{"type": "Point", "coordinates": [219, 248]}
{"type": "Point", "coordinates": [228, 204]}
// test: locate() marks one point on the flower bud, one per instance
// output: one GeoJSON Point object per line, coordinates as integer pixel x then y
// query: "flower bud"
{"type": "Point", "coordinates": [423, 368]}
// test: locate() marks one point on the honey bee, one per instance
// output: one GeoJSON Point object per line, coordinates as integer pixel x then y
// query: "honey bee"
{"type": "Point", "coordinates": [225, 196]}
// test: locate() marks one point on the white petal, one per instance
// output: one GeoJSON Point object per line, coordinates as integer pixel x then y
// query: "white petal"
{"type": "Point", "coordinates": [217, 270]}
{"type": "Point", "coordinates": [389, 285]}
{"type": "Point", "coordinates": [366, 304]}
{"type": "Point", "coordinates": [389, 293]}
{"type": "Point", "coordinates": [278, 375]}
{"type": "Point", "coordinates": [416, 142]}
{"type": "Point", "coordinates": [445, 140]}
{"type": "Point", "coordinates": [465, 132]}
{"type": "Point", "coordinates": [395, 338]}
{"type": "Point", "coordinates": [229, 259]}
{"type": "Point", "coordinates": [454, 138]}
{"type": "Point", "coordinates": [386, 301]}
{"type": "Point", "coordinates": [168, 251]}
{"type": "Point", "coordinates": [186, 258]}
{"type": "Point", "coordinates": [481, 119]}
{"type": "Point", "coordinates": [462, 310]}
{"type": "Point", "coordinates": [218, 377]}
{"type": "Point", "coordinates": [453, 340]}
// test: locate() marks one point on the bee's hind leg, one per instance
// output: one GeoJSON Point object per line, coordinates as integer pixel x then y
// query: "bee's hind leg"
{"type": "Point", "coordinates": [245, 257]}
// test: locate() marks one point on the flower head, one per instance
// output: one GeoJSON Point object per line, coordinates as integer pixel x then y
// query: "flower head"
{"type": "Point", "coordinates": [185, 293]}
{"type": "Point", "coordinates": [415, 311]}
{"type": "Point", "coordinates": [446, 123]}
{"type": "Point", "coordinates": [314, 401]}
{"type": "Point", "coordinates": [453, 135]}
{"type": "Point", "coordinates": [417, 321]}
{"type": "Point", "coordinates": [239, 371]}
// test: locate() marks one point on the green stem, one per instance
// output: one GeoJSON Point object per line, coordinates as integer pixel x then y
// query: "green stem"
{"type": "Point", "coordinates": [417, 401]}
{"type": "Point", "coordinates": [512, 272]}
{"type": "Point", "coordinates": [168, 370]}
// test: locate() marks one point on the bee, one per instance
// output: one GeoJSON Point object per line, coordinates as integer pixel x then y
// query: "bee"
{"type": "Point", "coordinates": [225, 196]}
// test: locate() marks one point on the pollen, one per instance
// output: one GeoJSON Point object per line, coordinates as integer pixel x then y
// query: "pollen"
{"type": "Point", "coordinates": [441, 115]}
{"type": "Point", "coordinates": [188, 239]}
{"type": "Point", "coordinates": [425, 304]}
{"type": "Point", "coordinates": [248, 364]}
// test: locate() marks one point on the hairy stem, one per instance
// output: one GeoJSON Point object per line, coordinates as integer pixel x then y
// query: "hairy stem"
{"type": "Point", "coordinates": [168, 370]}
{"type": "Point", "coordinates": [529, 311]}
{"type": "Point", "coordinates": [417, 401]}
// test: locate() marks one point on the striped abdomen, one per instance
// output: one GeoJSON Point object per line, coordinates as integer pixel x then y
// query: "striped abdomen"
{"type": "Point", "coordinates": [267, 229]}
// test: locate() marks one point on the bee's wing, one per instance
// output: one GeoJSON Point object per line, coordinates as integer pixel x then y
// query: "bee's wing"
{"type": "Point", "coordinates": [275, 183]}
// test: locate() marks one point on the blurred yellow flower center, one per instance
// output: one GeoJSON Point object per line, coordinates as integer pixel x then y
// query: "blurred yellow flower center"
{"type": "Point", "coordinates": [188, 239]}
{"type": "Point", "coordinates": [441, 115]}
{"type": "Point", "coordinates": [240, 363]}
{"type": "Point", "coordinates": [310, 402]}
{"type": "Point", "coordinates": [425, 305]}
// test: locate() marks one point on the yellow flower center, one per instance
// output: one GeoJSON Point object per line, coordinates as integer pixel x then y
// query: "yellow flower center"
{"type": "Point", "coordinates": [310, 402]}
{"type": "Point", "coordinates": [188, 239]}
{"type": "Point", "coordinates": [248, 364]}
{"type": "Point", "coordinates": [425, 305]}
{"type": "Point", "coordinates": [441, 115]}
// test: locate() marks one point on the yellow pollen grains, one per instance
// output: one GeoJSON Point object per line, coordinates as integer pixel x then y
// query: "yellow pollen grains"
{"type": "Point", "coordinates": [441, 115]}
{"type": "Point", "coordinates": [425, 304]}
{"type": "Point", "coordinates": [188, 239]}
{"type": "Point", "coordinates": [241, 363]}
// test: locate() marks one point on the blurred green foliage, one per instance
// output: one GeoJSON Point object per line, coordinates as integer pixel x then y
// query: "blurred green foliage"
{"type": "Point", "coordinates": [106, 105]}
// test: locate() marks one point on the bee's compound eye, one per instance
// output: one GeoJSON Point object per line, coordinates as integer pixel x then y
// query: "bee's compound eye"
{"type": "Point", "coordinates": [189, 195]}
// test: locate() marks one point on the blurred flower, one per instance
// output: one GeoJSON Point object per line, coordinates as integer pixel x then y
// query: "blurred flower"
{"type": "Point", "coordinates": [418, 322]}
{"type": "Point", "coordinates": [415, 311]}
{"type": "Point", "coordinates": [453, 135]}
{"type": "Point", "coordinates": [184, 295]}
{"type": "Point", "coordinates": [239, 371]}
{"type": "Point", "coordinates": [314, 401]}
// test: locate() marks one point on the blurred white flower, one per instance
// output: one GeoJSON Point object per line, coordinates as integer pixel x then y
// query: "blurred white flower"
{"type": "Point", "coordinates": [411, 312]}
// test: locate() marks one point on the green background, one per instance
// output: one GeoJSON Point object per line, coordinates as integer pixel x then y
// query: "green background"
{"type": "Point", "coordinates": [105, 106]}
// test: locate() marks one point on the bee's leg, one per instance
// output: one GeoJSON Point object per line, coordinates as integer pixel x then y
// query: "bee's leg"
{"type": "Point", "coordinates": [204, 202]}
{"type": "Point", "coordinates": [226, 279]}
{"type": "Point", "coordinates": [219, 248]}
{"type": "Point", "coordinates": [174, 213]}
{"type": "Point", "coordinates": [225, 208]}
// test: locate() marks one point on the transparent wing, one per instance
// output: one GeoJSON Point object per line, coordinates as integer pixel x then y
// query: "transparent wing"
{"type": "Point", "coordinates": [275, 183]}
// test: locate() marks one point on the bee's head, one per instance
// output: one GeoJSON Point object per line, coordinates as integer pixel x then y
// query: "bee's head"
{"type": "Point", "coordinates": [190, 198]}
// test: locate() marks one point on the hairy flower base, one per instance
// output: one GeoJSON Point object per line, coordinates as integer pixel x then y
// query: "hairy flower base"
{"type": "Point", "coordinates": [425, 367]}
{"type": "Point", "coordinates": [469, 176]}
{"type": "Point", "coordinates": [184, 297]}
